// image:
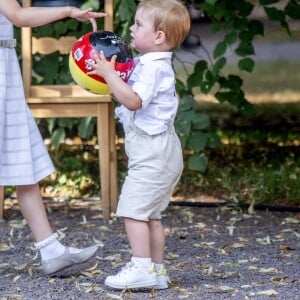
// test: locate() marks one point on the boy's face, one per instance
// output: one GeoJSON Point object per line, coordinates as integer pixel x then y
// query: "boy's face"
{"type": "Point", "coordinates": [143, 35]}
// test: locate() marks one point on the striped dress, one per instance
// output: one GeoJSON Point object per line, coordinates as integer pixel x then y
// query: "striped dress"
{"type": "Point", "coordinates": [24, 158]}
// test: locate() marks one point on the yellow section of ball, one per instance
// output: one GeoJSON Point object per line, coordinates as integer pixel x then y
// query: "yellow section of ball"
{"type": "Point", "coordinates": [85, 81]}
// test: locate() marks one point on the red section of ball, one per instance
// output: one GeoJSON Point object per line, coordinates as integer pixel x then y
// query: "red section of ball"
{"type": "Point", "coordinates": [110, 44]}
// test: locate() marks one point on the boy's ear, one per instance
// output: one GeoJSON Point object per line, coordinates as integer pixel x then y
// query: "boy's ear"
{"type": "Point", "coordinates": [160, 37]}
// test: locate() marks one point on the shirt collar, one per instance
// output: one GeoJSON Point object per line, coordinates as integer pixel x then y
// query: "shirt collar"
{"type": "Point", "coordinates": [154, 56]}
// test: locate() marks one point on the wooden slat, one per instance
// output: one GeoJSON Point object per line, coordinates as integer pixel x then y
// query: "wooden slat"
{"type": "Point", "coordinates": [109, 19]}
{"type": "Point", "coordinates": [65, 110]}
{"type": "Point", "coordinates": [49, 45]}
{"type": "Point", "coordinates": [57, 91]}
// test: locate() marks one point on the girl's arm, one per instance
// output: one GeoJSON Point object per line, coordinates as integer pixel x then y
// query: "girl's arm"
{"type": "Point", "coordinates": [37, 16]}
{"type": "Point", "coordinates": [123, 93]}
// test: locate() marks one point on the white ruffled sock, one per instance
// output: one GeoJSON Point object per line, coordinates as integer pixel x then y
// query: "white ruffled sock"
{"type": "Point", "coordinates": [51, 247]}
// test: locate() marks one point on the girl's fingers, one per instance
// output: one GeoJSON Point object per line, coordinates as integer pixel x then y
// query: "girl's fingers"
{"type": "Point", "coordinates": [94, 24]}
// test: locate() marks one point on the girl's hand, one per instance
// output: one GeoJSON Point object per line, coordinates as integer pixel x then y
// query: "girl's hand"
{"type": "Point", "coordinates": [85, 15]}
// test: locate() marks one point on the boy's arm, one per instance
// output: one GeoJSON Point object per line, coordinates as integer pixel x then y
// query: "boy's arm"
{"type": "Point", "coordinates": [123, 93]}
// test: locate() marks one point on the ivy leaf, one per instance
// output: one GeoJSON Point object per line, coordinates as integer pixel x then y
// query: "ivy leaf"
{"type": "Point", "coordinates": [180, 87]}
{"type": "Point", "coordinates": [198, 162]}
{"type": "Point", "coordinates": [220, 49]}
{"type": "Point", "coordinates": [200, 66]}
{"type": "Point", "coordinates": [240, 23]}
{"type": "Point", "coordinates": [275, 14]}
{"type": "Point", "coordinates": [293, 10]}
{"type": "Point", "coordinates": [86, 126]}
{"type": "Point", "coordinates": [197, 76]}
{"type": "Point", "coordinates": [124, 8]}
{"type": "Point", "coordinates": [219, 65]}
{"type": "Point", "coordinates": [245, 49]}
{"type": "Point", "coordinates": [187, 102]}
{"type": "Point", "coordinates": [91, 3]}
{"type": "Point", "coordinates": [48, 67]}
{"type": "Point", "coordinates": [223, 96]}
{"type": "Point", "coordinates": [246, 36]}
{"type": "Point", "coordinates": [57, 137]}
{"type": "Point", "coordinates": [206, 86]}
{"type": "Point", "coordinates": [246, 64]}
{"type": "Point", "coordinates": [193, 81]}
{"type": "Point", "coordinates": [183, 129]}
{"type": "Point", "coordinates": [67, 122]}
{"type": "Point", "coordinates": [245, 8]}
{"type": "Point", "coordinates": [232, 82]}
{"type": "Point", "coordinates": [213, 140]}
{"type": "Point", "coordinates": [230, 37]}
{"type": "Point", "coordinates": [256, 27]}
{"type": "Point", "coordinates": [197, 141]}
{"type": "Point", "coordinates": [216, 27]}
{"type": "Point", "coordinates": [200, 121]}
{"type": "Point", "coordinates": [210, 76]}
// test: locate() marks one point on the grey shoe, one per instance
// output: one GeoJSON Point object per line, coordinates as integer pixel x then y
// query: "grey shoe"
{"type": "Point", "coordinates": [67, 259]}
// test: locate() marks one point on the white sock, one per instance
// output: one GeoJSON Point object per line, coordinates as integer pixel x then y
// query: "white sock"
{"type": "Point", "coordinates": [51, 247]}
{"type": "Point", "coordinates": [158, 267]}
{"type": "Point", "coordinates": [144, 262]}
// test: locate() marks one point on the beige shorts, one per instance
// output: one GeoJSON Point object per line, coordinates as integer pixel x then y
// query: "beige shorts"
{"type": "Point", "coordinates": [155, 165]}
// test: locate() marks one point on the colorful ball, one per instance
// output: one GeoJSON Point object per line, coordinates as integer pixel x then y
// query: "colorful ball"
{"type": "Point", "coordinates": [80, 56]}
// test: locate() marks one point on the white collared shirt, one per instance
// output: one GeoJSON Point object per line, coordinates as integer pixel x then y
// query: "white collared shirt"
{"type": "Point", "coordinates": [153, 80]}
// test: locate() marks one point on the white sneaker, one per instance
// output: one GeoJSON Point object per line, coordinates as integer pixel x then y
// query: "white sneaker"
{"type": "Point", "coordinates": [163, 279]}
{"type": "Point", "coordinates": [133, 276]}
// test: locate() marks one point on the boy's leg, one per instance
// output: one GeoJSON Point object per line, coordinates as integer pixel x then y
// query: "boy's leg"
{"type": "Point", "coordinates": [157, 241]}
{"type": "Point", "coordinates": [140, 272]}
{"type": "Point", "coordinates": [139, 237]}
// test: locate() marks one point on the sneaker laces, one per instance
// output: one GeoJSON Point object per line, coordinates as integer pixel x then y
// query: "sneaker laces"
{"type": "Point", "coordinates": [127, 268]}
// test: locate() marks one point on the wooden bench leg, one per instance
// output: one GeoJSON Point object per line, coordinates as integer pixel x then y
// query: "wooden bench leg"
{"type": "Point", "coordinates": [2, 196]}
{"type": "Point", "coordinates": [104, 157]}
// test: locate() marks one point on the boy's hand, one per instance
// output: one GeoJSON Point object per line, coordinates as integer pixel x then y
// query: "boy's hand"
{"type": "Point", "coordinates": [101, 66]}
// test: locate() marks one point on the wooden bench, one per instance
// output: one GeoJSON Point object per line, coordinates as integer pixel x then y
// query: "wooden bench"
{"type": "Point", "coordinates": [55, 101]}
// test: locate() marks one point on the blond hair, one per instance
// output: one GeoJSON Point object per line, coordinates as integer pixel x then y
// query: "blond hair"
{"type": "Point", "coordinates": [171, 17]}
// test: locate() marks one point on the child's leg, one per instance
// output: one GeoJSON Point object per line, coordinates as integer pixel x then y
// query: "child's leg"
{"type": "Point", "coordinates": [140, 272]}
{"type": "Point", "coordinates": [55, 256]}
{"type": "Point", "coordinates": [33, 210]}
{"type": "Point", "coordinates": [157, 245]}
{"type": "Point", "coordinates": [157, 241]}
{"type": "Point", "coordinates": [139, 237]}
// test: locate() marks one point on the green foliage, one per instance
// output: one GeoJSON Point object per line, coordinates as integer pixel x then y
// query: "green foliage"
{"type": "Point", "coordinates": [207, 76]}
{"type": "Point", "coordinates": [232, 17]}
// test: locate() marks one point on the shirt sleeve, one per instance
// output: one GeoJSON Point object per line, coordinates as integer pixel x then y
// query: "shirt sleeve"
{"type": "Point", "coordinates": [144, 83]}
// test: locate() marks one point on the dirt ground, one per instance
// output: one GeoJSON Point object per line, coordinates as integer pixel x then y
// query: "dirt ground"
{"type": "Point", "coordinates": [211, 253]}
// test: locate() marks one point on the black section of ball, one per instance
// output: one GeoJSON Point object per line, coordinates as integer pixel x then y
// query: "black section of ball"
{"type": "Point", "coordinates": [111, 44]}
